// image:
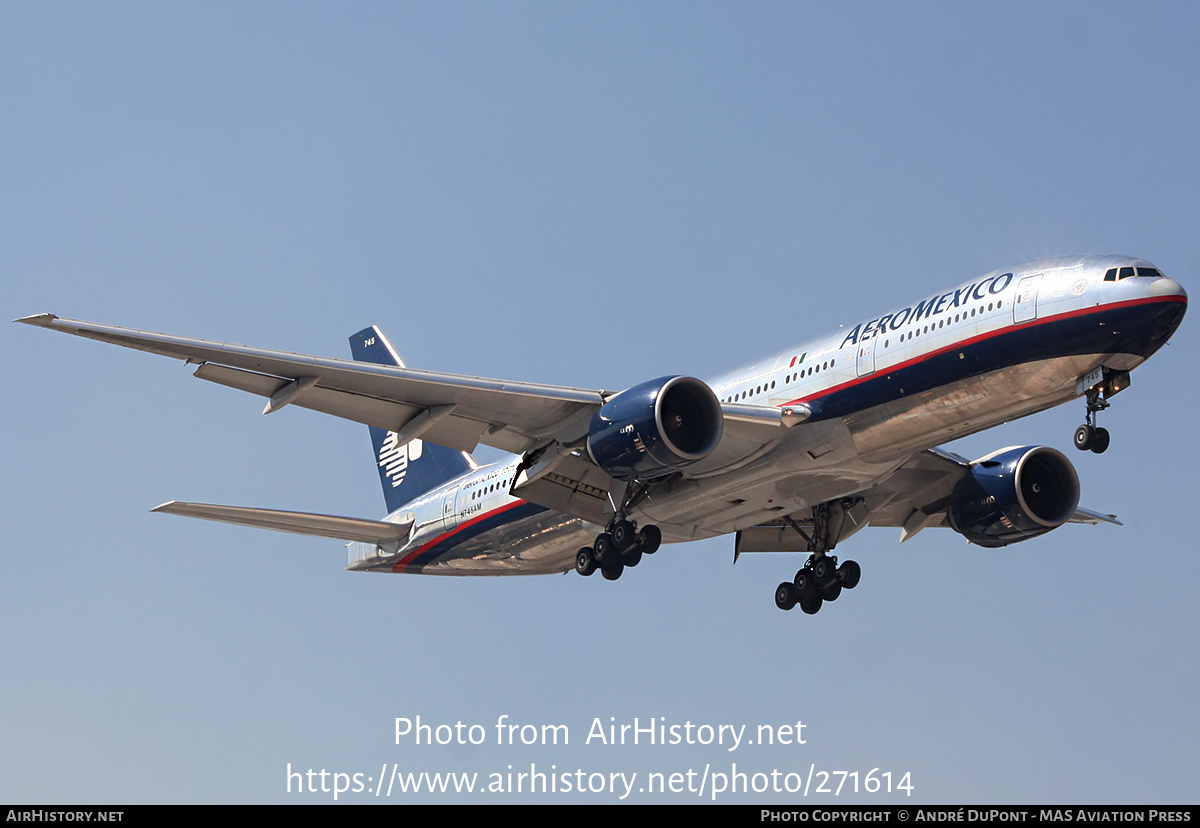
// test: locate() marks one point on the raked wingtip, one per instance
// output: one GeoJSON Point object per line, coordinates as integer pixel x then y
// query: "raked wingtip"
{"type": "Point", "coordinates": [42, 320]}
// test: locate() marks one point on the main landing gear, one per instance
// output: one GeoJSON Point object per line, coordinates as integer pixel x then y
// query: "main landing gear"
{"type": "Point", "coordinates": [618, 546]}
{"type": "Point", "coordinates": [820, 580]}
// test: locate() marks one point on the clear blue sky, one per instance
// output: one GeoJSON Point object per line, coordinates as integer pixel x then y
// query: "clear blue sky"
{"type": "Point", "coordinates": [586, 194]}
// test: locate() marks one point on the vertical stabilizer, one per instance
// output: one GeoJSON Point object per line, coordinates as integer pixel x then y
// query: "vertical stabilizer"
{"type": "Point", "coordinates": [406, 471]}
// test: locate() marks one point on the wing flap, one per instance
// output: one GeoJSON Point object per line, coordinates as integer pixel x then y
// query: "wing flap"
{"type": "Point", "coordinates": [298, 523]}
{"type": "Point", "coordinates": [567, 483]}
{"type": "Point", "coordinates": [768, 539]}
{"type": "Point", "coordinates": [454, 432]}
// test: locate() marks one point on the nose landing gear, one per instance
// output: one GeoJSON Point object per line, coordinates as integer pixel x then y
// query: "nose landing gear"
{"type": "Point", "coordinates": [1089, 436]}
{"type": "Point", "coordinates": [1104, 384]}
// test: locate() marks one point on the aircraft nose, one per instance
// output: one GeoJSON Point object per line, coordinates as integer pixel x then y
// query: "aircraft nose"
{"type": "Point", "coordinates": [1166, 287]}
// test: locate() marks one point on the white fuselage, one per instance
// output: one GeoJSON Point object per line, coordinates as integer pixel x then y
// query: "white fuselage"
{"type": "Point", "coordinates": [999, 347]}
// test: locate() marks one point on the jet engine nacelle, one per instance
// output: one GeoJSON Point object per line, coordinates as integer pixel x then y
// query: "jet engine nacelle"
{"type": "Point", "coordinates": [1013, 495]}
{"type": "Point", "coordinates": [655, 428]}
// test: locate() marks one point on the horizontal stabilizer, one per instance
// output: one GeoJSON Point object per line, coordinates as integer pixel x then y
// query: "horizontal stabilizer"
{"type": "Point", "coordinates": [1083, 515]}
{"type": "Point", "coordinates": [298, 523]}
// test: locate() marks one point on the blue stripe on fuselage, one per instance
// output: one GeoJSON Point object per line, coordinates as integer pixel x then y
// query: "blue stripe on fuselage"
{"type": "Point", "coordinates": [1112, 329]}
{"type": "Point", "coordinates": [448, 542]}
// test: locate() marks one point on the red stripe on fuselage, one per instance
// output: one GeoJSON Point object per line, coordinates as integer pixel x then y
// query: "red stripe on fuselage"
{"type": "Point", "coordinates": [402, 565]}
{"type": "Point", "coordinates": [980, 338]}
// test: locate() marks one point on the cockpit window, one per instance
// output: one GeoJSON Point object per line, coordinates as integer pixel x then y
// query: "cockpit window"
{"type": "Point", "coordinates": [1112, 275]}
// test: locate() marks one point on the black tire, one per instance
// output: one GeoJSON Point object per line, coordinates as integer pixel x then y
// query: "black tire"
{"type": "Point", "coordinates": [585, 561]}
{"type": "Point", "coordinates": [612, 571]}
{"type": "Point", "coordinates": [849, 574]}
{"type": "Point", "coordinates": [824, 570]}
{"type": "Point", "coordinates": [785, 596]}
{"type": "Point", "coordinates": [831, 592]}
{"type": "Point", "coordinates": [810, 605]}
{"type": "Point", "coordinates": [805, 584]}
{"type": "Point", "coordinates": [623, 535]}
{"type": "Point", "coordinates": [649, 539]}
{"type": "Point", "coordinates": [1101, 441]}
{"type": "Point", "coordinates": [633, 557]}
{"type": "Point", "coordinates": [1085, 437]}
{"type": "Point", "coordinates": [604, 549]}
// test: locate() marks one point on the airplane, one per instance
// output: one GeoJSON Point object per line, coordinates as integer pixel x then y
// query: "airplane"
{"type": "Point", "coordinates": [795, 453]}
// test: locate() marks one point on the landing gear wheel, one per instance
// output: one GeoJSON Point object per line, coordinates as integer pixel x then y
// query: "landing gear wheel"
{"type": "Point", "coordinates": [805, 584]}
{"type": "Point", "coordinates": [811, 604]}
{"type": "Point", "coordinates": [785, 596]}
{"type": "Point", "coordinates": [1100, 443]}
{"type": "Point", "coordinates": [632, 558]}
{"type": "Point", "coordinates": [824, 570]}
{"type": "Point", "coordinates": [1085, 437]}
{"type": "Point", "coordinates": [612, 571]}
{"type": "Point", "coordinates": [849, 573]}
{"type": "Point", "coordinates": [604, 550]}
{"type": "Point", "coordinates": [585, 561]}
{"type": "Point", "coordinates": [623, 535]}
{"type": "Point", "coordinates": [649, 539]}
{"type": "Point", "coordinates": [831, 592]}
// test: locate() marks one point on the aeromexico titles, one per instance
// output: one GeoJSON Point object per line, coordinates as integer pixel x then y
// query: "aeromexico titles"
{"type": "Point", "coordinates": [990, 286]}
{"type": "Point", "coordinates": [793, 454]}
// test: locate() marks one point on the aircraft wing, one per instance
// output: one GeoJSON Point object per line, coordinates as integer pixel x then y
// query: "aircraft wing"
{"type": "Point", "coordinates": [918, 494]}
{"type": "Point", "coordinates": [451, 410]}
{"type": "Point", "coordinates": [448, 409]}
{"type": "Point", "coordinates": [914, 497]}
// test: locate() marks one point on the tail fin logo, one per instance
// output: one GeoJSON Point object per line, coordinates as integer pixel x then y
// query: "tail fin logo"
{"type": "Point", "coordinates": [394, 458]}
